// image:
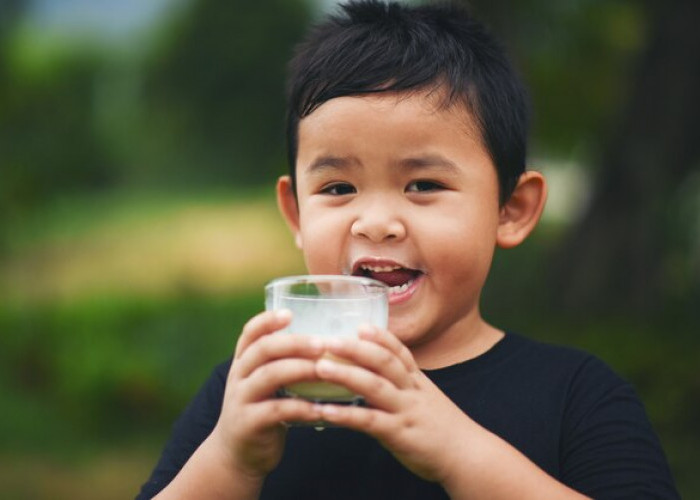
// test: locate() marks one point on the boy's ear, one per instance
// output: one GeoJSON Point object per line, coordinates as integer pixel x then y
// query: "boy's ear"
{"type": "Point", "coordinates": [288, 207]}
{"type": "Point", "coordinates": [520, 214]}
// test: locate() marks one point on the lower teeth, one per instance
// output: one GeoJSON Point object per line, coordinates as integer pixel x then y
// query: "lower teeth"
{"type": "Point", "coordinates": [400, 288]}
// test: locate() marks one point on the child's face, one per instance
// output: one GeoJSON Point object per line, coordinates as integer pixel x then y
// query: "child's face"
{"type": "Point", "coordinates": [396, 188]}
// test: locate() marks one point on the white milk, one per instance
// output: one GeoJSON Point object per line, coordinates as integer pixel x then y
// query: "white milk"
{"type": "Point", "coordinates": [333, 313]}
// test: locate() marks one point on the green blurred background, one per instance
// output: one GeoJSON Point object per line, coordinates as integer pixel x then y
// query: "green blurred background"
{"type": "Point", "coordinates": [139, 142]}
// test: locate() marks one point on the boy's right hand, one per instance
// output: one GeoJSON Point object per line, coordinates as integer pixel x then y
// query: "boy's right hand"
{"type": "Point", "coordinates": [250, 431]}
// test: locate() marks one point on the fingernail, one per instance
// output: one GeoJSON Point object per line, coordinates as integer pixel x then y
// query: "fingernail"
{"type": "Point", "coordinates": [283, 314]}
{"type": "Point", "coordinates": [317, 343]}
{"type": "Point", "coordinates": [366, 330]}
{"type": "Point", "coordinates": [334, 343]}
{"type": "Point", "coordinates": [325, 366]}
{"type": "Point", "coordinates": [329, 410]}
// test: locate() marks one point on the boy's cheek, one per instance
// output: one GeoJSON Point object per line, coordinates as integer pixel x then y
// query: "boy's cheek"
{"type": "Point", "coordinates": [323, 245]}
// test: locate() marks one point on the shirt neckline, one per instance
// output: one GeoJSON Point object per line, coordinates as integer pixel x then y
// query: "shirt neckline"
{"type": "Point", "coordinates": [501, 350]}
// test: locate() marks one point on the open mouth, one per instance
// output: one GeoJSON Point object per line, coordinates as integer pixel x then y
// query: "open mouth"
{"type": "Point", "coordinates": [400, 280]}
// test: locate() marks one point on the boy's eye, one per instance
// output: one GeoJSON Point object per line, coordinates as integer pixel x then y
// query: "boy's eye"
{"type": "Point", "coordinates": [423, 186]}
{"type": "Point", "coordinates": [339, 189]}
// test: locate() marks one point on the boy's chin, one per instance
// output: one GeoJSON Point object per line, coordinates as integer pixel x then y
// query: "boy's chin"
{"type": "Point", "coordinates": [405, 330]}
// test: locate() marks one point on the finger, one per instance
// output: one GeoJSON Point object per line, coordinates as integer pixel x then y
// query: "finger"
{"type": "Point", "coordinates": [370, 421]}
{"type": "Point", "coordinates": [391, 342]}
{"type": "Point", "coordinates": [377, 390]}
{"type": "Point", "coordinates": [259, 325]}
{"type": "Point", "coordinates": [372, 356]}
{"type": "Point", "coordinates": [272, 347]}
{"type": "Point", "coordinates": [274, 411]}
{"type": "Point", "coordinates": [268, 378]}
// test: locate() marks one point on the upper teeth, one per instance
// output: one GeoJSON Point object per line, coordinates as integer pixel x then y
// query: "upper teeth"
{"type": "Point", "coordinates": [379, 269]}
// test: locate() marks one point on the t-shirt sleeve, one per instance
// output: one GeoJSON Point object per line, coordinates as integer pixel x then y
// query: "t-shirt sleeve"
{"type": "Point", "coordinates": [190, 429]}
{"type": "Point", "coordinates": [609, 449]}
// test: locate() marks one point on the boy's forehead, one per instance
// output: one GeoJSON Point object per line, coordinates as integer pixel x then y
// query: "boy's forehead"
{"type": "Point", "coordinates": [417, 131]}
{"type": "Point", "coordinates": [407, 104]}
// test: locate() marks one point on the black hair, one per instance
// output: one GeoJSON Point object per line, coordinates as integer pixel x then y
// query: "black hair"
{"type": "Point", "coordinates": [372, 46]}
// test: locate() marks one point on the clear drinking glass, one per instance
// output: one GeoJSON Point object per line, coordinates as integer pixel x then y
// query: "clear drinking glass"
{"type": "Point", "coordinates": [327, 305]}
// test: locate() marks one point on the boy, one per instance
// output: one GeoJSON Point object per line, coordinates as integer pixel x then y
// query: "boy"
{"type": "Point", "coordinates": [407, 135]}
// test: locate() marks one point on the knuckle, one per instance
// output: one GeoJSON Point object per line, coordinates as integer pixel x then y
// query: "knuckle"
{"type": "Point", "coordinates": [407, 357]}
{"type": "Point", "coordinates": [407, 422]}
{"type": "Point", "coordinates": [377, 385]}
{"type": "Point", "coordinates": [263, 372]}
{"type": "Point", "coordinates": [275, 407]}
{"type": "Point", "coordinates": [236, 374]}
{"type": "Point", "coordinates": [370, 420]}
{"type": "Point", "coordinates": [385, 357]}
{"type": "Point", "coordinates": [263, 347]}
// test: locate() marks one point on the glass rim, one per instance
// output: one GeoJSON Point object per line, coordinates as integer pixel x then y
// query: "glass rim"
{"type": "Point", "coordinates": [325, 278]}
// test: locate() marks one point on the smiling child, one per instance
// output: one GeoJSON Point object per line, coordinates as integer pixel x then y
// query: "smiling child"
{"type": "Point", "coordinates": [407, 139]}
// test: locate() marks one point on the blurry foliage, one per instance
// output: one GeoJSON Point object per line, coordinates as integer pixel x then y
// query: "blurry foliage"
{"type": "Point", "coordinates": [577, 58]}
{"type": "Point", "coordinates": [48, 143]}
{"type": "Point", "coordinates": [110, 366]}
{"type": "Point", "coordinates": [614, 86]}
{"type": "Point", "coordinates": [215, 91]}
{"type": "Point", "coordinates": [205, 102]}
{"type": "Point", "coordinates": [203, 106]}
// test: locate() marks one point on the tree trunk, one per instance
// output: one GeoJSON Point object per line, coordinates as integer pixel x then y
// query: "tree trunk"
{"type": "Point", "coordinates": [630, 250]}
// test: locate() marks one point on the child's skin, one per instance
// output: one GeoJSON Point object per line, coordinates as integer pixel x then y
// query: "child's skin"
{"type": "Point", "coordinates": [383, 180]}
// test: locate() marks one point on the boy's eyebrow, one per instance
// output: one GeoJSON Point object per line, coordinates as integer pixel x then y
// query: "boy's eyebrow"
{"type": "Point", "coordinates": [429, 162]}
{"type": "Point", "coordinates": [412, 163]}
{"type": "Point", "coordinates": [332, 162]}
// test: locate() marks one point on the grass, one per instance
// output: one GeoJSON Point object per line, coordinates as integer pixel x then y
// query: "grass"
{"type": "Point", "coordinates": [108, 474]}
{"type": "Point", "coordinates": [142, 246]}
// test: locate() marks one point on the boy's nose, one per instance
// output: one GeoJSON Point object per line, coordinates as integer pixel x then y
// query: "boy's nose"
{"type": "Point", "coordinates": [378, 225]}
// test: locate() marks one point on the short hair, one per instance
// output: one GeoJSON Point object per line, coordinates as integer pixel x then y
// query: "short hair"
{"type": "Point", "coordinates": [372, 46]}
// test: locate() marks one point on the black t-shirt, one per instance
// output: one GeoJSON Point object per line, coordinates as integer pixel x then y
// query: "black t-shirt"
{"type": "Point", "coordinates": [564, 409]}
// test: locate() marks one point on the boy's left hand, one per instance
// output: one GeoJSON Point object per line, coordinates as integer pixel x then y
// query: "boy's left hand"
{"type": "Point", "coordinates": [406, 412]}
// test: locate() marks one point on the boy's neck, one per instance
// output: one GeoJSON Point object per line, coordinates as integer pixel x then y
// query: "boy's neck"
{"type": "Point", "coordinates": [465, 340]}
